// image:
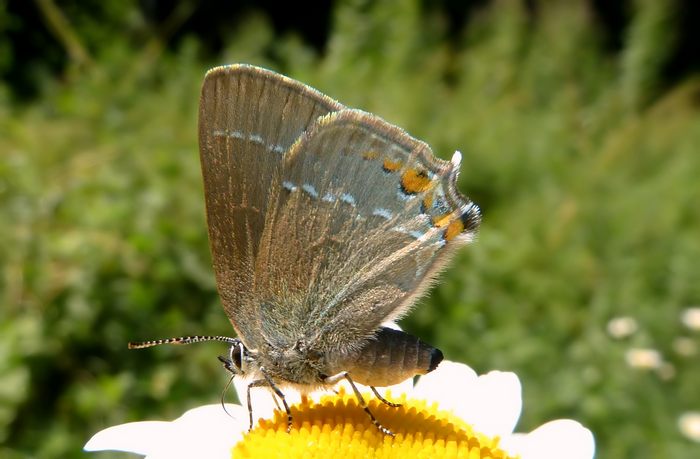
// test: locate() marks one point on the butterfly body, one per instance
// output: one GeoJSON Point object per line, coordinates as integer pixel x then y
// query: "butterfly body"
{"type": "Point", "coordinates": [388, 358]}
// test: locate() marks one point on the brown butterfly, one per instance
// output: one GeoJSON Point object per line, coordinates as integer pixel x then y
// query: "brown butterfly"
{"type": "Point", "coordinates": [325, 222]}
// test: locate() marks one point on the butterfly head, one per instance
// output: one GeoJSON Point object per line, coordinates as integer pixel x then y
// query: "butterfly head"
{"type": "Point", "coordinates": [240, 360]}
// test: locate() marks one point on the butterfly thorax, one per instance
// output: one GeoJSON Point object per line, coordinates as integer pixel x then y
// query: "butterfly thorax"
{"type": "Point", "coordinates": [296, 364]}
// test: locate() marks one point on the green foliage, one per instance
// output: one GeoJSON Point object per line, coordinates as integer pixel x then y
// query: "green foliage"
{"type": "Point", "coordinates": [586, 169]}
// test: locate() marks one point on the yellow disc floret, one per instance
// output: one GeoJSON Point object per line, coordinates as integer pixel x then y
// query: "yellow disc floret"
{"type": "Point", "coordinates": [337, 426]}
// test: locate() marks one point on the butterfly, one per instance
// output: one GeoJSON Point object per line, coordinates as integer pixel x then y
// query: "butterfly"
{"type": "Point", "coordinates": [325, 222]}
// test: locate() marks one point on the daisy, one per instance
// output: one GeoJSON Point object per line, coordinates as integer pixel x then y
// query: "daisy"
{"type": "Point", "coordinates": [450, 412]}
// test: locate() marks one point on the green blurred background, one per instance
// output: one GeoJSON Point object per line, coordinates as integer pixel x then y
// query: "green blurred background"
{"type": "Point", "coordinates": [579, 122]}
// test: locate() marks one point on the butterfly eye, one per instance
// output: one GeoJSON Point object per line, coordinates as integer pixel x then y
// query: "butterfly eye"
{"type": "Point", "coordinates": [236, 356]}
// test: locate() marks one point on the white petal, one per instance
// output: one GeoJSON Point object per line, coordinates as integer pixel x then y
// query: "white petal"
{"type": "Point", "coordinates": [553, 440]}
{"type": "Point", "coordinates": [491, 403]}
{"type": "Point", "coordinates": [494, 405]}
{"type": "Point", "coordinates": [135, 437]}
{"type": "Point", "coordinates": [206, 431]}
{"type": "Point", "coordinates": [446, 384]}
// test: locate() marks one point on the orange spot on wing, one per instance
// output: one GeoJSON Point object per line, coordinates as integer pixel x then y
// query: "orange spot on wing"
{"type": "Point", "coordinates": [415, 181]}
{"type": "Point", "coordinates": [391, 166]}
{"type": "Point", "coordinates": [454, 229]}
{"type": "Point", "coordinates": [441, 220]}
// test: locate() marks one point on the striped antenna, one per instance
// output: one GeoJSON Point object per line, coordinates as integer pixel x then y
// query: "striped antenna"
{"type": "Point", "coordinates": [182, 340]}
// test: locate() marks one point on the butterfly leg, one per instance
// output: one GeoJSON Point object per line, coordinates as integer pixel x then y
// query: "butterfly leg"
{"type": "Point", "coordinates": [256, 383]}
{"type": "Point", "coordinates": [345, 375]}
{"type": "Point", "coordinates": [382, 399]}
{"type": "Point", "coordinates": [279, 394]}
{"type": "Point", "coordinates": [277, 403]}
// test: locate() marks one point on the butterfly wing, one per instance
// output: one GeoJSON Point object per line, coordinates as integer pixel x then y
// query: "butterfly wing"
{"type": "Point", "coordinates": [248, 118]}
{"type": "Point", "coordinates": [363, 216]}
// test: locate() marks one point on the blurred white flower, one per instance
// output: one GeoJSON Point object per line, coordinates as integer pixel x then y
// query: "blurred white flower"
{"type": "Point", "coordinates": [689, 425]}
{"type": "Point", "coordinates": [643, 358]}
{"type": "Point", "coordinates": [685, 346]}
{"type": "Point", "coordinates": [666, 371]}
{"type": "Point", "coordinates": [622, 327]}
{"type": "Point", "coordinates": [691, 318]}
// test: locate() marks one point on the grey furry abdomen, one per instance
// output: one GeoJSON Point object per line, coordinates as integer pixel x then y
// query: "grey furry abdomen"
{"type": "Point", "coordinates": [391, 357]}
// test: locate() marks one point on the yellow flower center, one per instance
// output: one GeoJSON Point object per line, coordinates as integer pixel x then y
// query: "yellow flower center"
{"type": "Point", "coordinates": [337, 426]}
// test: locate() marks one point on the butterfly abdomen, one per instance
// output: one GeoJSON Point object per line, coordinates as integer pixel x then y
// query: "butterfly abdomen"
{"type": "Point", "coordinates": [391, 357]}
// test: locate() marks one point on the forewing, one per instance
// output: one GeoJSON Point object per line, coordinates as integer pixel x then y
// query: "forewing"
{"type": "Point", "coordinates": [363, 217]}
{"type": "Point", "coordinates": [248, 118]}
